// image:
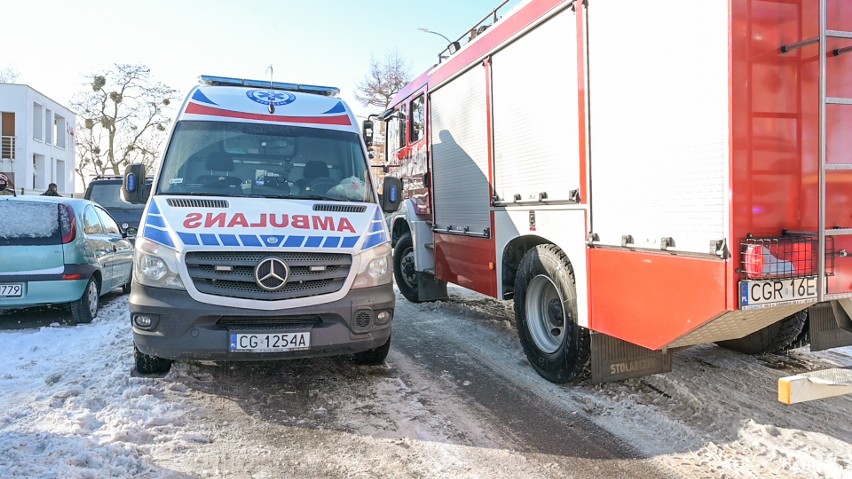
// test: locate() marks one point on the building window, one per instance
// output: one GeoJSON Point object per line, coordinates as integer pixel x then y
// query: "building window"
{"type": "Point", "coordinates": [38, 122]}
{"type": "Point", "coordinates": [60, 175]}
{"type": "Point", "coordinates": [48, 126]}
{"type": "Point", "coordinates": [39, 172]}
{"type": "Point", "coordinates": [59, 130]}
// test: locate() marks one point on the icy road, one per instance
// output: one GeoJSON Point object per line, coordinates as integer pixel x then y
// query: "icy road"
{"type": "Point", "coordinates": [455, 399]}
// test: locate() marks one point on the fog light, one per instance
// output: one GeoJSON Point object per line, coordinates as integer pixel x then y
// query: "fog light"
{"type": "Point", "coordinates": [384, 317]}
{"type": "Point", "coordinates": [146, 321]}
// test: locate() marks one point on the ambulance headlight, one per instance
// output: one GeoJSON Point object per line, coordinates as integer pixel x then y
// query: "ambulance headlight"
{"type": "Point", "coordinates": [374, 267]}
{"type": "Point", "coordinates": [156, 265]}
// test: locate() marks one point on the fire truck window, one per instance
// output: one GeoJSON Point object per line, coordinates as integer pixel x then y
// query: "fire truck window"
{"type": "Point", "coordinates": [403, 120]}
{"type": "Point", "coordinates": [418, 118]}
{"type": "Point", "coordinates": [396, 133]}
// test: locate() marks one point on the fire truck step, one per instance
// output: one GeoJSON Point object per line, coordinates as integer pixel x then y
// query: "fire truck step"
{"type": "Point", "coordinates": [815, 385]}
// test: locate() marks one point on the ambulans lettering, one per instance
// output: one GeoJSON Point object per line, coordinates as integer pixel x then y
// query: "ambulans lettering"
{"type": "Point", "coordinates": [264, 220]}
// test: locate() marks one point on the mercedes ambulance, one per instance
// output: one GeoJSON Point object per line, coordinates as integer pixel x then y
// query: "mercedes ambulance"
{"type": "Point", "coordinates": [262, 236]}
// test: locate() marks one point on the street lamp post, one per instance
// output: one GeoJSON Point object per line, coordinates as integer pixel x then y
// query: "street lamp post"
{"type": "Point", "coordinates": [424, 29]}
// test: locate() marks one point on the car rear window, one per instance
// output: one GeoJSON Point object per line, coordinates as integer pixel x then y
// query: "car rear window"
{"type": "Point", "coordinates": [25, 223]}
{"type": "Point", "coordinates": [108, 195]}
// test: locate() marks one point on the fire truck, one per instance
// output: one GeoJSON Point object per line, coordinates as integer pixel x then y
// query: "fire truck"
{"type": "Point", "coordinates": [638, 178]}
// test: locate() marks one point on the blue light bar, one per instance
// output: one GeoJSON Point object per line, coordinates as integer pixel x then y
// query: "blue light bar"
{"type": "Point", "coordinates": [228, 81]}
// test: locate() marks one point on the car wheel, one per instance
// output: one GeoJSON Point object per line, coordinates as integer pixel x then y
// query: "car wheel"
{"type": "Point", "coordinates": [374, 356]}
{"type": "Point", "coordinates": [546, 312]}
{"type": "Point", "coordinates": [146, 364]}
{"type": "Point", "coordinates": [85, 309]}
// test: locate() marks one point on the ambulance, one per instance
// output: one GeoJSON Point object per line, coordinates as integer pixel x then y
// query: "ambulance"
{"type": "Point", "coordinates": [263, 236]}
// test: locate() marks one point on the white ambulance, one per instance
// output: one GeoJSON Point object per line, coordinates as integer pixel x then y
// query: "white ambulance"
{"type": "Point", "coordinates": [263, 236]}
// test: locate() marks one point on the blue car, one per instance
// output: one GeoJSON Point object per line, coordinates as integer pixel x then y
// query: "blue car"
{"type": "Point", "coordinates": [56, 250]}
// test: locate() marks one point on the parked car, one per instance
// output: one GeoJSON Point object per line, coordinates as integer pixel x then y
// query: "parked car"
{"type": "Point", "coordinates": [58, 250]}
{"type": "Point", "coordinates": [106, 191]}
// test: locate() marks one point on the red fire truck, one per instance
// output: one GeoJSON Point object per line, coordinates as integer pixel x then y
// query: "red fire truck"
{"type": "Point", "coordinates": [638, 177]}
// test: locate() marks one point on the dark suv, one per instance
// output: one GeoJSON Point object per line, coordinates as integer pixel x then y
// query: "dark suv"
{"type": "Point", "coordinates": [106, 191]}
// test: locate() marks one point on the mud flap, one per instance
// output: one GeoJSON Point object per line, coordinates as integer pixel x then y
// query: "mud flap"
{"type": "Point", "coordinates": [614, 360]}
{"type": "Point", "coordinates": [429, 288]}
{"type": "Point", "coordinates": [830, 325]}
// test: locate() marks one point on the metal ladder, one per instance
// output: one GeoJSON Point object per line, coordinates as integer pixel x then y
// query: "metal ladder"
{"type": "Point", "coordinates": [824, 167]}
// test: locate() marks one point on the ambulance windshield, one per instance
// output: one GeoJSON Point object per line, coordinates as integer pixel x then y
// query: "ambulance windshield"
{"type": "Point", "coordinates": [212, 158]}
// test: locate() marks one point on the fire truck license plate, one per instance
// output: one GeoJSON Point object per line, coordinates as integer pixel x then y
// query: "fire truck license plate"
{"type": "Point", "coordinates": [759, 294]}
{"type": "Point", "coordinates": [269, 343]}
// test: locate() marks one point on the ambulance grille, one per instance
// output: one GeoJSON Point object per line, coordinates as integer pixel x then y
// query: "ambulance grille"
{"type": "Point", "coordinates": [231, 274]}
{"type": "Point", "coordinates": [195, 203]}
{"type": "Point", "coordinates": [340, 208]}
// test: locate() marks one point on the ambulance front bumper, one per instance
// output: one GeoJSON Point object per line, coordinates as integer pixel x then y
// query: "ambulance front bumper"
{"type": "Point", "coordinates": [177, 327]}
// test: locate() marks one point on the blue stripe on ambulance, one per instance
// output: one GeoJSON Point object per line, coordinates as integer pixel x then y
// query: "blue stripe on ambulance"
{"type": "Point", "coordinates": [375, 232]}
{"type": "Point", "coordinates": [155, 227]}
{"type": "Point", "coordinates": [198, 96]}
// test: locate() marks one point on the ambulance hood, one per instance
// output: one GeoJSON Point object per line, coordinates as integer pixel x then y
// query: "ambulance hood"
{"type": "Point", "coordinates": [250, 224]}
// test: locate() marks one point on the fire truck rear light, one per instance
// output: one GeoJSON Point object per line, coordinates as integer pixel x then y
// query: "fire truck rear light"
{"type": "Point", "coordinates": [783, 257]}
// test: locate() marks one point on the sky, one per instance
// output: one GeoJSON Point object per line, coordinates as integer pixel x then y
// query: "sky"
{"type": "Point", "coordinates": [56, 45]}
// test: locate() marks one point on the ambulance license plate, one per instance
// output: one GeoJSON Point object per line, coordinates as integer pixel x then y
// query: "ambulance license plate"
{"type": "Point", "coordinates": [762, 293]}
{"type": "Point", "coordinates": [270, 342]}
{"type": "Point", "coordinates": [11, 290]}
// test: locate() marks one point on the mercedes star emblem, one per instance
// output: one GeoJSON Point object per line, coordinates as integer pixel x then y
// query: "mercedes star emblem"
{"type": "Point", "coordinates": [271, 274]}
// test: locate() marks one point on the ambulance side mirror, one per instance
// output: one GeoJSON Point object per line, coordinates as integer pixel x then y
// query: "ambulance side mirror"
{"type": "Point", "coordinates": [392, 194]}
{"type": "Point", "coordinates": [133, 188]}
{"type": "Point", "coordinates": [367, 131]}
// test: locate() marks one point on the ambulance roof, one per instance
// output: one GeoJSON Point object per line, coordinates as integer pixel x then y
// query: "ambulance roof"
{"type": "Point", "coordinates": [251, 100]}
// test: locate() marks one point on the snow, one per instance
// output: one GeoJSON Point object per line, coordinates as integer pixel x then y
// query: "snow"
{"type": "Point", "coordinates": [71, 407]}
{"type": "Point", "coordinates": [28, 220]}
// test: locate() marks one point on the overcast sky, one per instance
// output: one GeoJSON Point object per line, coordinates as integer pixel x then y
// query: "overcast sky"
{"type": "Point", "coordinates": [55, 44]}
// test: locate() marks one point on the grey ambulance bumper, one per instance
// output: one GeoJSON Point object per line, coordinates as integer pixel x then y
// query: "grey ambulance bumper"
{"type": "Point", "coordinates": [186, 329]}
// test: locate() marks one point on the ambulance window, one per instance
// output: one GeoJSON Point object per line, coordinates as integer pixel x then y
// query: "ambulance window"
{"type": "Point", "coordinates": [418, 118]}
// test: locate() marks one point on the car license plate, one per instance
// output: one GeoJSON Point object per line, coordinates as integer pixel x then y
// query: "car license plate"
{"type": "Point", "coordinates": [11, 290]}
{"type": "Point", "coordinates": [760, 294]}
{"type": "Point", "coordinates": [272, 342]}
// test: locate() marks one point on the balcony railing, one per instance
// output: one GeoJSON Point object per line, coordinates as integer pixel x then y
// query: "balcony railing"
{"type": "Point", "coordinates": [7, 148]}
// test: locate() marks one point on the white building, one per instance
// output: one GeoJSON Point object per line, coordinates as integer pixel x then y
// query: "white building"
{"type": "Point", "coordinates": [36, 141]}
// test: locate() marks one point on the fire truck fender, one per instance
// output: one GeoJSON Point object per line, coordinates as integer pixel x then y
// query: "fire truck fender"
{"type": "Point", "coordinates": [519, 230]}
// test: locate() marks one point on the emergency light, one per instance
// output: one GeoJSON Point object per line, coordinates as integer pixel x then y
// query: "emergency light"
{"type": "Point", "coordinates": [228, 81]}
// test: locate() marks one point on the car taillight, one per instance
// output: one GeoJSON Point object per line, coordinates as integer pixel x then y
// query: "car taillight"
{"type": "Point", "coordinates": [68, 222]}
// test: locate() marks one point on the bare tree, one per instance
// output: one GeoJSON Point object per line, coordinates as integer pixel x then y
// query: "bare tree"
{"type": "Point", "coordinates": [383, 81]}
{"type": "Point", "coordinates": [121, 120]}
{"type": "Point", "coordinates": [378, 88]}
{"type": "Point", "coordinates": [9, 74]}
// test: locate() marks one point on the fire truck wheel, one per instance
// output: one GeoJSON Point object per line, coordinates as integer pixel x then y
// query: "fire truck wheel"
{"type": "Point", "coordinates": [546, 312]}
{"type": "Point", "coordinates": [403, 268]}
{"type": "Point", "coordinates": [774, 338]}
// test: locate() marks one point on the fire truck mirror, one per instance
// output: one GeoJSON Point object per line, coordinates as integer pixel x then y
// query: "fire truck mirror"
{"type": "Point", "coordinates": [367, 130]}
{"type": "Point", "coordinates": [392, 194]}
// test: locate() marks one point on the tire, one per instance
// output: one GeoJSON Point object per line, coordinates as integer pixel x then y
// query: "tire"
{"type": "Point", "coordinates": [403, 268]}
{"type": "Point", "coordinates": [373, 356]}
{"type": "Point", "coordinates": [774, 338]}
{"type": "Point", "coordinates": [85, 309]}
{"type": "Point", "coordinates": [146, 364]}
{"type": "Point", "coordinates": [546, 312]}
